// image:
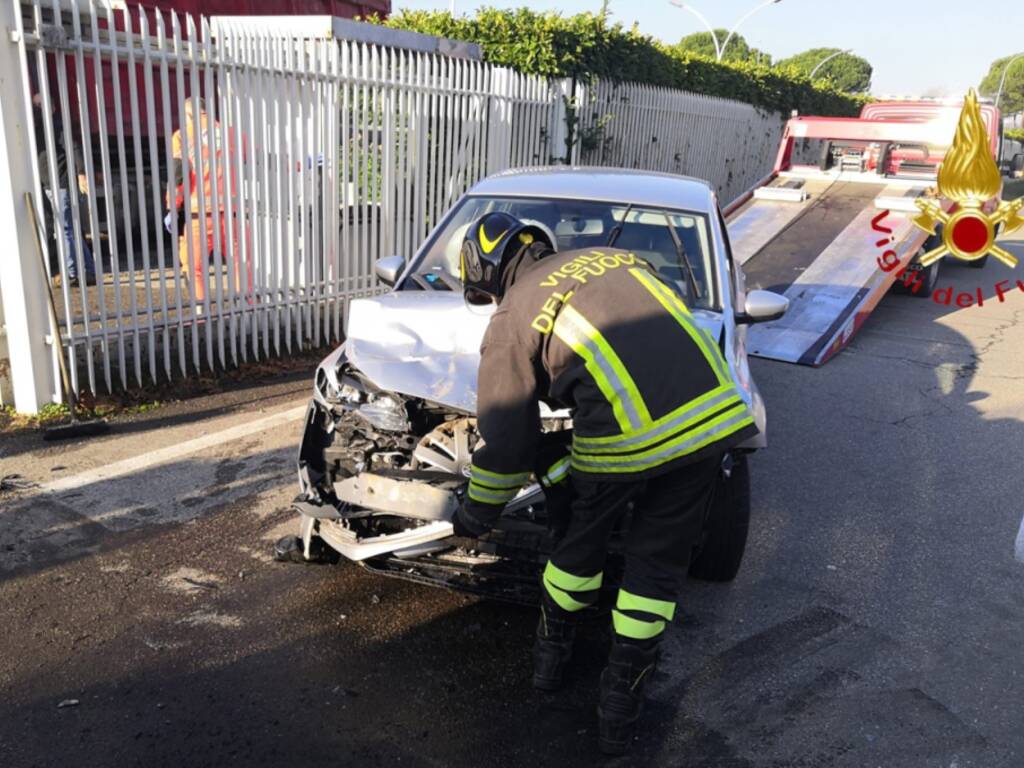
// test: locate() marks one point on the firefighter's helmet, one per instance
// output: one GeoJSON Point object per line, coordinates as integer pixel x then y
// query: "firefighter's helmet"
{"type": "Point", "coordinates": [491, 244]}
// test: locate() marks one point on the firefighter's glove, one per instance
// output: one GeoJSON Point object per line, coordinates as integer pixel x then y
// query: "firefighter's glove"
{"type": "Point", "coordinates": [473, 519]}
{"type": "Point", "coordinates": [558, 500]}
{"type": "Point", "coordinates": [168, 220]}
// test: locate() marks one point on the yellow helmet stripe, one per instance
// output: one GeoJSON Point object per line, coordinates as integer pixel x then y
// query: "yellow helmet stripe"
{"type": "Point", "coordinates": [487, 244]}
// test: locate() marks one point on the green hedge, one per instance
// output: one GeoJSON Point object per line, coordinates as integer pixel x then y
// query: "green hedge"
{"type": "Point", "coordinates": [587, 46]}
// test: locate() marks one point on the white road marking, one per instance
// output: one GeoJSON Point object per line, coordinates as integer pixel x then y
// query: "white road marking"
{"type": "Point", "coordinates": [1019, 550]}
{"type": "Point", "coordinates": [171, 453]}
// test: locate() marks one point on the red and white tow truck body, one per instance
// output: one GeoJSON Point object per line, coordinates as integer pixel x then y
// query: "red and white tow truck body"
{"type": "Point", "coordinates": [841, 193]}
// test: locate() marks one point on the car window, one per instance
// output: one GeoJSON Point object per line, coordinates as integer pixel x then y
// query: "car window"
{"type": "Point", "coordinates": [675, 243]}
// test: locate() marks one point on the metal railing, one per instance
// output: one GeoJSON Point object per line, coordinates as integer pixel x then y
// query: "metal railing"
{"type": "Point", "coordinates": [728, 143]}
{"type": "Point", "coordinates": [312, 156]}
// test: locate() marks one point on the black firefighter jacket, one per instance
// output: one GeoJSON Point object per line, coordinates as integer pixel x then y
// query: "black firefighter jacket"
{"type": "Point", "coordinates": [599, 332]}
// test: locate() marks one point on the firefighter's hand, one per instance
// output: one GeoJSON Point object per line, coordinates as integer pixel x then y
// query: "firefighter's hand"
{"type": "Point", "coordinates": [472, 520]}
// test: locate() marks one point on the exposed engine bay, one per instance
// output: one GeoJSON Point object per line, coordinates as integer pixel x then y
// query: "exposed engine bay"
{"type": "Point", "coordinates": [382, 476]}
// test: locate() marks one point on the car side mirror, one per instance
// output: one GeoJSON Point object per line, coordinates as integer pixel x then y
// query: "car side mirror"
{"type": "Point", "coordinates": [389, 269]}
{"type": "Point", "coordinates": [762, 307]}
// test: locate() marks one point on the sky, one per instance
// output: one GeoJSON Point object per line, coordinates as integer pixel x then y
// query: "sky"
{"type": "Point", "coordinates": [917, 47]}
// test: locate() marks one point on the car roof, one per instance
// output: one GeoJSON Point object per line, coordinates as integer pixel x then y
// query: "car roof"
{"type": "Point", "coordinates": [614, 185]}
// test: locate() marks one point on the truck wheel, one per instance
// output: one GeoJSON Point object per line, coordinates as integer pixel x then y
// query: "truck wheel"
{"type": "Point", "coordinates": [926, 277]}
{"type": "Point", "coordinates": [725, 531]}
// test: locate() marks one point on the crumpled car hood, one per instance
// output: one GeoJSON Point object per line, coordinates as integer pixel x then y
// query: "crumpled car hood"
{"type": "Point", "coordinates": [427, 344]}
{"type": "Point", "coordinates": [421, 344]}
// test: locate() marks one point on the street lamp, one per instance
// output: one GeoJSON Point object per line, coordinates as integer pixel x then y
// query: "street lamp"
{"type": "Point", "coordinates": [699, 15]}
{"type": "Point", "coordinates": [826, 60]}
{"type": "Point", "coordinates": [743, 18]}
{"type": "Point", "coordinates": [720, 49]}
{"type": "Point", "coordinates": [1002, 80]}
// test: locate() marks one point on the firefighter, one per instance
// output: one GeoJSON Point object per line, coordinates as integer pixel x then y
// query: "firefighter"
{"type": "Point", "coordinates": [654, 411]}
{"type": "Point", "coordinates": [198, 228]}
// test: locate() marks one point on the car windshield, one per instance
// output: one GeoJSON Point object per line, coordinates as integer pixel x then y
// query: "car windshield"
{"type": "Point", "coordinates": [675, 243]}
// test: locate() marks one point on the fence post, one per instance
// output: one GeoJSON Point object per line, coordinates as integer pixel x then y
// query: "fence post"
{"type": "Point", "coordinates": [500, 135]}
{"type": "Point", "coordinates": [22, 281]}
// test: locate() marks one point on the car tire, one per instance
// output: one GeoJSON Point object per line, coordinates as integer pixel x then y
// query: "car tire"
{"type": "Point", "coordinates": [929, 278]}
{"type": "Point", "coordinates": [725, 531]}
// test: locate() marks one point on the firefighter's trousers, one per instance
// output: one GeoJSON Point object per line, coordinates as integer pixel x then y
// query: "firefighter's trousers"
{"type": "Point", "coordinates": [196, 243]}
{"type": "Point", "coordinates": [661, 520]}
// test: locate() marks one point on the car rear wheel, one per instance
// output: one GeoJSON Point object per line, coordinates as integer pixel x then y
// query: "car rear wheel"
{"type": "Point", "coordinates": [725, 531]}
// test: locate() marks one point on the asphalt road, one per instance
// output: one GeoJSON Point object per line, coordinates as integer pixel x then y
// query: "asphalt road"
{"type": "Point", "coordinates": [877, 620]}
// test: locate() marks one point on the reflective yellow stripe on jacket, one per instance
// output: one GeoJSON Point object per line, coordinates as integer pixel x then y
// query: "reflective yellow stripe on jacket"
{"type": "Point", "coordinates": [645, 443]}
{"type": "Point", "coordinates": [489, 487]}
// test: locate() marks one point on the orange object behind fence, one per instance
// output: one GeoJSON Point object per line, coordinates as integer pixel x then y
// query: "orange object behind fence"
{"type": "Point", "coordinates": [197, 238]}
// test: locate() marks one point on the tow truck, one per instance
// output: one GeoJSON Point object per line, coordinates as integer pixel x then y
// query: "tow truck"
{"type": "Point", "coordinates": [842, 191]}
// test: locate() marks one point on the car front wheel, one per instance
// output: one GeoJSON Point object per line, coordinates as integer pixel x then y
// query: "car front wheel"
{"type": "Point", "coordinates": [724, 541]}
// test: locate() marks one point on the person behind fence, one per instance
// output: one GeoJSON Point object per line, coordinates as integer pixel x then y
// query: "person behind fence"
{"type": "Point", "coordinates": [199, 227]}
{"type": "Point", "coordinates": [64, 197]}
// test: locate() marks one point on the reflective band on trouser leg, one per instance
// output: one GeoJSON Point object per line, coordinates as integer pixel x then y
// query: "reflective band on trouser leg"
{"type": "Point", "coordinates": [634, 629]}
{"type": "Point", "coordinates": [716, 429]}
{"type": "Point", "coordinates": [556, 473]}
{"type": "Point", "coordinates": [604, 365]}
{"type": "Point", "coordinates": [678, 309]}
{"type": "Point", "coordinates": [559, 584]}
{"type": "Point", "coordinates": [640, 618]}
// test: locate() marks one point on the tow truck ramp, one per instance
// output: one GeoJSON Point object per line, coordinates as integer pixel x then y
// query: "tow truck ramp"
{"type": "Point", "coordinates": [815, 232]}
{"type": "Point", "coordinates": [815, 237]}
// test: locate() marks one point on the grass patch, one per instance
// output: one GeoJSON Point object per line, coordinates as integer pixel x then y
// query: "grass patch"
{"type": "Point", "coordinates": [58, 413]}
{"type": "Point", "coordinates": [121, 405]}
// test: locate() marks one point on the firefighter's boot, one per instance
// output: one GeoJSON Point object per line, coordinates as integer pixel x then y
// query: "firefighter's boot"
{"type": "Point", "coordinates": [629, 668]}
{"type": "Point", "coordinates": [552, 650]}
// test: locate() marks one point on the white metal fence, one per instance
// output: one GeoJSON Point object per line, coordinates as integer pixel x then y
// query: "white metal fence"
{"type": "Point", "coordinates": [320, 155]}
{"type": "Point", "coordinates": [728, 143]}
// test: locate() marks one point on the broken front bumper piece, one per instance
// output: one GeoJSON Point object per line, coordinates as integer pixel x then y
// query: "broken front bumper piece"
{"type": "Point", "coordinates": [397, 497]}
{"type": "Point", "coordinates": [428, 510]}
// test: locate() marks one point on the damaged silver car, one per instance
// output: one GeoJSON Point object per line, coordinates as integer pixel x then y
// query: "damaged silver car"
{"type": "Point", "coordinates": [390, 431]}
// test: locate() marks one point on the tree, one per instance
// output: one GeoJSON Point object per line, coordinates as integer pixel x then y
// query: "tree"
{"type": "Point", "coordinates": [1012, 99]}
{"type": "Point", "coordinates": [851, 74]}
{"type": "Point", "coordinates": [738, 50]}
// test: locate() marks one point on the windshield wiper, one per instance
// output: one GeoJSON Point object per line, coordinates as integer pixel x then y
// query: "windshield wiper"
{"type": "Point", "coordinates": [617, 230]}
{"type": "Point", "coordinates": [681, 254]}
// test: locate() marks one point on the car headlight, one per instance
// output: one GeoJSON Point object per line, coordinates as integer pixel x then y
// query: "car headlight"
{"type": "Point", "coordinates": [346, 393]}
{"type": "Point", "coordinates": [385, 413]}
